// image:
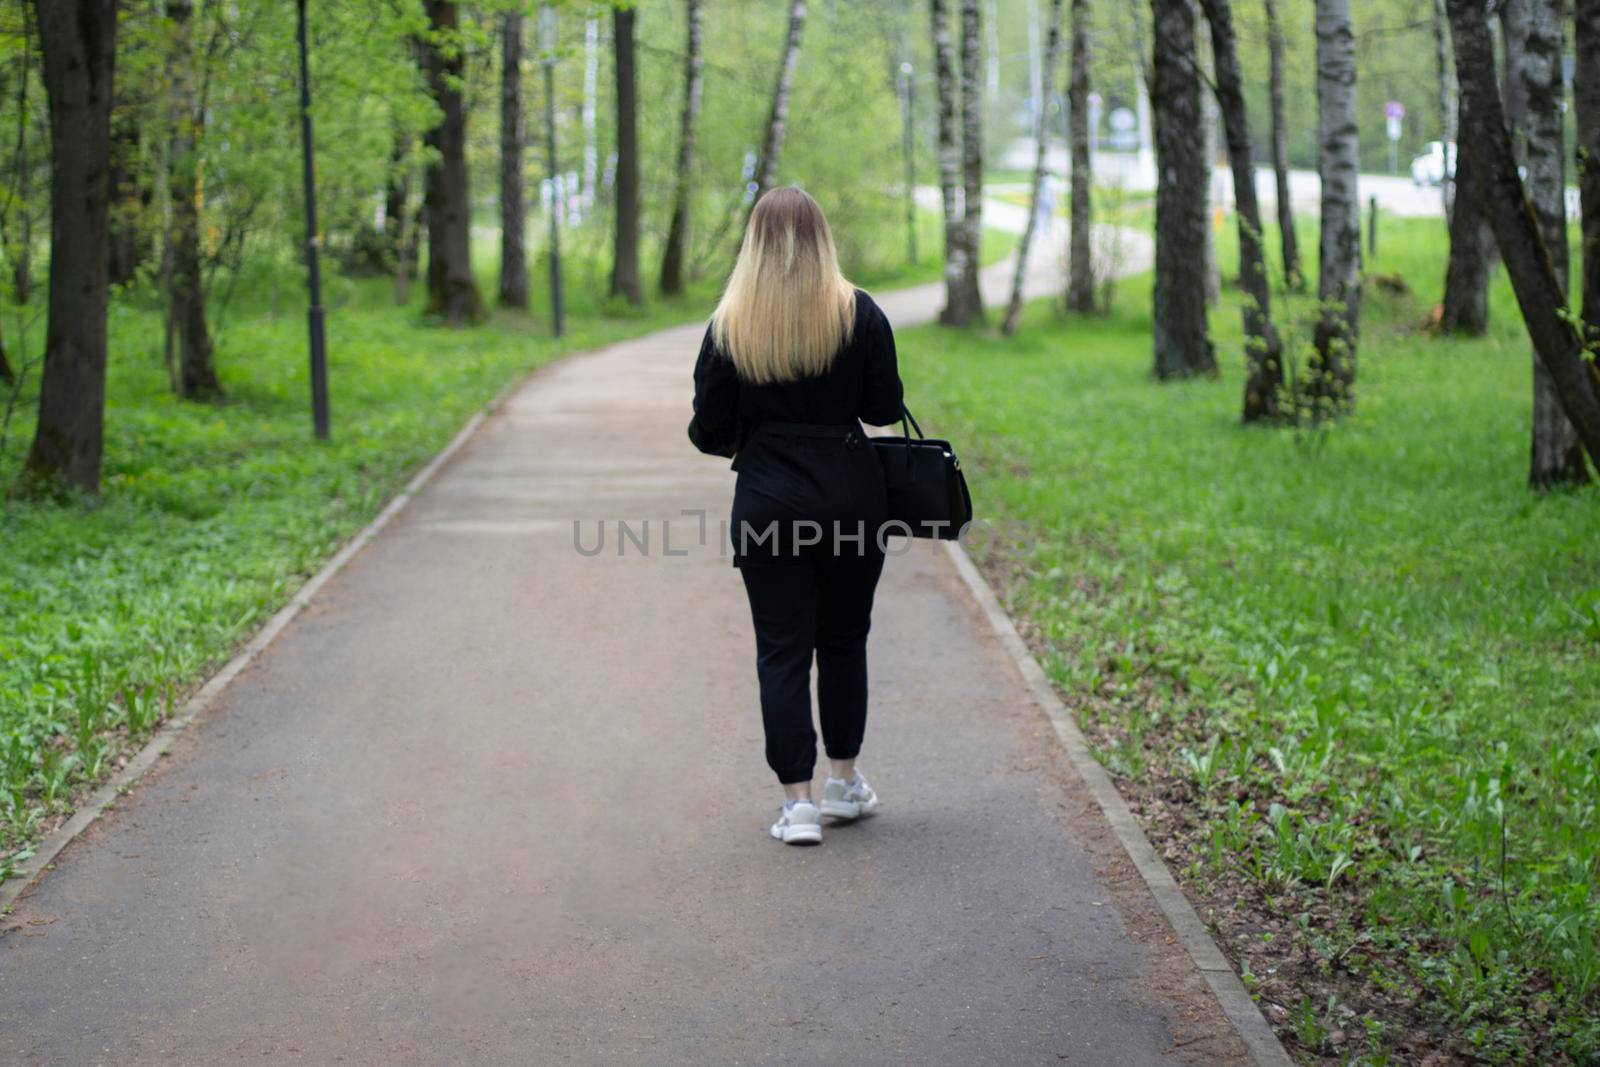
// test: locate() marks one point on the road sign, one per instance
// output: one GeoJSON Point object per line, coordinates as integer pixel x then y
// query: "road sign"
{"type": "Point", "coordinates": [1394, 110]}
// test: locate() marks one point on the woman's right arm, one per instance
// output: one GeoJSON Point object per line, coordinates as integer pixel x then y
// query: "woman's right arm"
{"type": "Point", "coordinates": [714, 429]}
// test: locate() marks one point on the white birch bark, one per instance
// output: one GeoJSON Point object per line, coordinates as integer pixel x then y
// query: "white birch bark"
{"type": "Point", "coordinates": [1041, 134]}
{"type": "Point", "coordinates": [1556, 457]}
{"type": "Point", "coordinates": [1338, 163]}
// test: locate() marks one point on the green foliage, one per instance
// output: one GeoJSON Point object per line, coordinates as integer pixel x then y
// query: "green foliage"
{"type": "Point", "coordinates": [1368, 663]}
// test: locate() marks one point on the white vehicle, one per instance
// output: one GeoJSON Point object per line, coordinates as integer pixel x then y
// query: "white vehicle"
{"type": "Point", "coordinates": [1436, 162]}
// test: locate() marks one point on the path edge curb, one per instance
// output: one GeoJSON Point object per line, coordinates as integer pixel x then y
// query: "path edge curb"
{"type": "Point", "coordinates": [28, 873]}
{"type": "Point", "coordinates": [1237, 1005]}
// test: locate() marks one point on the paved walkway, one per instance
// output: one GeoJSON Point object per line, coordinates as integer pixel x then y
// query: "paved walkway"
{"type": "Point", "coordinates": [489, 800]}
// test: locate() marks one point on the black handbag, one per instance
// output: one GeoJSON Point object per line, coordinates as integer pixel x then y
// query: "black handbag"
{"type": "Point", "coordinates": [927, 491]}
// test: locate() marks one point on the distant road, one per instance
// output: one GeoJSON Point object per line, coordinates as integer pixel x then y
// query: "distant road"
{"type": "Point", "coordinates": [1397, 194]}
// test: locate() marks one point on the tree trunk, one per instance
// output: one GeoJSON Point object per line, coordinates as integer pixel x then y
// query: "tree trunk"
{"type": "Point", "coordinates": [128, 237]}
{"type": "Point", "coordinates": [396, 193]}
{"type": "Point", "coordinates": [452, 290]}
{"type": "Point", "coordinates": [197, 377]}
{"type": "Point", "coordinates": [1516, 231]}
{"type": "Point", "coordinates": [1182, 347]}
{"type": "Point", "coordinates": [78, 41]}
{"type": "Point", "coordinates": [1447, 133]}
{"type": "Point", "coordinates": [1041, 132]}
{"type": "Point", "coordinates": [1293, 277]}
{"type": "Point", "coordinates": [591, 151]}
{"type": "Point", "coordinates": [513, 143]}
{"type": "Point", "coordinates": [1333, 364]}
{"type": "Point", "coordinates": [1208, 108]}
{"type": "Point", "coordinates": [971, 157]}
{"type": "Point", "coordinates": [1080, 253]}
{"type": "Point", "coordinates": [1263, 350]}
{"type": "Point", "coordinates": [778, 119]}
{"type": "Point", "coordinates": [625, 252]}
{"type": "Point", "coordinates": [22, 249]}
{"type": "Point", "coordinates": [396, 203]}
{"type": "Point", "coordinates": [955, 311]}
{"type": "Point", "coordinates": [992, 26]}
{"type": "Point", "coordinates": [1556, 457]}
{"type": "Point", "coordinates": [678, 230]}
{"type": "Point", "coordinates": [1586, 108]}
{"type": "Point", "coordinates": [1514, 28]}
{"type": "Point", "coordinates": [407, 253]}
{"type": "Point", "coordinates": [1035, 60]}
{"type": "Point", "coordinates": [1465, 308]}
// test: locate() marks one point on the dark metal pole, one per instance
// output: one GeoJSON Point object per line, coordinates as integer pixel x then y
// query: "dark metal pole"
{"type": "Point", "coordinates": [319, 351]}
{"type": "Point", "coordinates": [548, 46]}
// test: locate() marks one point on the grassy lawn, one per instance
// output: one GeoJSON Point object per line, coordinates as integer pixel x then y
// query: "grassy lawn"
{"type": "Point", "coordinates": [1350, 677]}
{"type": "Point", "coordinates": [212, 515]}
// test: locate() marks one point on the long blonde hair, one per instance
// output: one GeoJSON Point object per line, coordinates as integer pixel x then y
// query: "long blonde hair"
{"type": "Point", "coordinates": [787, 309]}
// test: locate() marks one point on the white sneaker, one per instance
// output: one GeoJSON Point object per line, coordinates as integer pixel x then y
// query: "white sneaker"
{"type": "Point", "coordinates": [799, 824]}
{"type": "Point", "coordinates": [848, 800]}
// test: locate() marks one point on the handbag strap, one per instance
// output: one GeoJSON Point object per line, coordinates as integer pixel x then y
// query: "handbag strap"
{"type": "Point", "coordinates": [907, 417]}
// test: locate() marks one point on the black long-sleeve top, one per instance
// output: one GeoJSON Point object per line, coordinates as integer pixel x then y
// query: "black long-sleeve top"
{"type": "Point", "coordinates": [785, 476]}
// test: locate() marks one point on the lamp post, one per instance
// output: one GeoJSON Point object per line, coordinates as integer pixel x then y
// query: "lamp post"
{"type": "Point", "coordinates": [547, 47]}
{"type": "Point", "coordinates": [319, 352]}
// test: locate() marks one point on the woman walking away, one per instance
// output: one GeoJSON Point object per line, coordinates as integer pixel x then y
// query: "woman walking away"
{"type": "Point", "coordinates": [794, 360]}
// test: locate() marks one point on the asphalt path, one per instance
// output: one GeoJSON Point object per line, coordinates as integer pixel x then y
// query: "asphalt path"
{"type": "Point", "coordinates": [490, 799]}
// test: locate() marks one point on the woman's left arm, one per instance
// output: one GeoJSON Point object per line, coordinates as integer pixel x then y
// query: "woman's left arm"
{"type": "Point", "coordinates": [882, 395]}
{"type": "Point", "coordinates": [714, 429]}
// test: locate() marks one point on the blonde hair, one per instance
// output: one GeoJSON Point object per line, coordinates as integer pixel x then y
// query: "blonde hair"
{"type": "Point", "coordinates": [787, 309]}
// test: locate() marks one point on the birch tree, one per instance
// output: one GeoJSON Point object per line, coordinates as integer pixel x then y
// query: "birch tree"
{"type": "Point", "coordinates": [678, 229]}
{"type": "Point", "coordinates": [1333, 364]}
{"type": "Point", "coordinates": [1080, 253]}
{"type": "Point", "coordinates": [77, 39]}
{"type": "Point", "coordinates": [1263, 350]}
{"type": "Point", "coordinates": [1483, 130]}
{"type": "Point", "coordinates": [1514, 27]}
{"type": "Point", "coordinates": [1556, 457]}
{"type": "Point", "coordinates": [1293, 277]}
{"type": "Point", "coordinates": [971, 157]}
{"type": "Point", "coordinates": [1447, 133]}
{"type": "Point", "coordinates": [513, 144]}
{"type": "Point", "coordinates": [778, 117]}
{"type": "Point", "coordinates": [1586, 109]}
{"type": "Point", "coordinates": [1208, 109]}
{"type": "Point", "coordinates": [954, 312]}
{"type": "Point", "coordinates": [1041, 135]}
{"type": "Point", "coordinates": [1182, 346]}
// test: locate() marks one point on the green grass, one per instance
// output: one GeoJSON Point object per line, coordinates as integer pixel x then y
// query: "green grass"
{"type": "Point", "coordinates": [1349, 662]}
{"type": "Point", "coordinates": [212, 515]}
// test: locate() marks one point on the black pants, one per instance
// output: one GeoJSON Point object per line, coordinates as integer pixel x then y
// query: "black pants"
{"type": "Point", "coordinates": [822, 606]}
